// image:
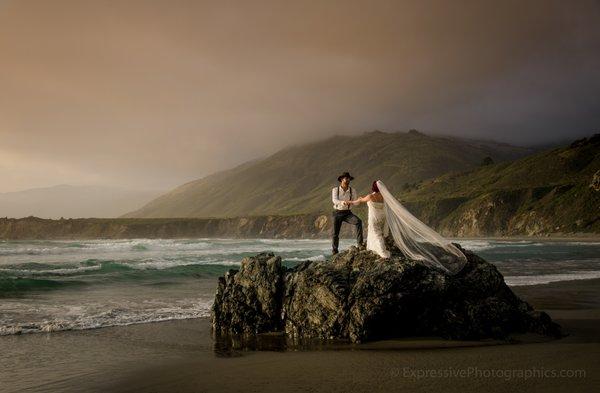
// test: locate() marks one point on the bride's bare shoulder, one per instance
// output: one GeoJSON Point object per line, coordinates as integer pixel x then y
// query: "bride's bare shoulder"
{"type": "Point", "coordinates": [376, 197]}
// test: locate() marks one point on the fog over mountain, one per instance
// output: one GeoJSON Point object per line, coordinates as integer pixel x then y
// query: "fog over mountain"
{"type": "Point", "coordinates": [73, 201]}
{"type": "Point", "coordinates": [151, 94]}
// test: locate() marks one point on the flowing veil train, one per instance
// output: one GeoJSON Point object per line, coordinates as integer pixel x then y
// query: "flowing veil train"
{"type": "Point", "coordinates": [416, 240]}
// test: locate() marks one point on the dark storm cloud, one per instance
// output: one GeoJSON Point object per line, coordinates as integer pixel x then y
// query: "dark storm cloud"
{"type": "Point", "coordinates": [154, 93]}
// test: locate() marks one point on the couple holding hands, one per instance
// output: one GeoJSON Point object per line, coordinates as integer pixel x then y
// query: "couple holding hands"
{"type": "Point", "coordinates": [387, 215]}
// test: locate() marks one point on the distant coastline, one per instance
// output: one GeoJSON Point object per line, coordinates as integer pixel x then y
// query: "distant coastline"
{"type": "Point", "coordinates": [307, 226]}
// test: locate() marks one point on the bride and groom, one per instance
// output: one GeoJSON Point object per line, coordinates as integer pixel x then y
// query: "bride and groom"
{"type": "Point", "coordinates": [388, 216]}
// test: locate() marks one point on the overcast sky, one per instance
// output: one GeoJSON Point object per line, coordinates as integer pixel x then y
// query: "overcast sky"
{"type": "Point", "coordinates": [150, 94]}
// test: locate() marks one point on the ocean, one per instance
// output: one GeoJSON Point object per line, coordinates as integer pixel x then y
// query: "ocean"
{"type": "Point", "coordinates": [48, 286]}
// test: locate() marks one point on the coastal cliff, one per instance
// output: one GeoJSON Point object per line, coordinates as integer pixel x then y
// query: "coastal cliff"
{"type": "Point", "coordinates": [301, 226]}
{"type": "Point", "coordinates": [359, 297]}
{"type": "Point", "coordinates": [297, 226]}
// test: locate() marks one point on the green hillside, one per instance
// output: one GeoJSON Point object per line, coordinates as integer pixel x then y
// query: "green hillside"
{"type": "Point", "coordinates": [298, 179]}
{"type": "Point", "coordinates": [555, 191]}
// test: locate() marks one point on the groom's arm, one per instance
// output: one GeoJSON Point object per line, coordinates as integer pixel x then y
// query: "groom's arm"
{"type": "Point", "coordinates": [364, 199]}
{"type": "Point", "coordinates": [335, 200]}
{"type": "Point", "coordinates": [334, 197]}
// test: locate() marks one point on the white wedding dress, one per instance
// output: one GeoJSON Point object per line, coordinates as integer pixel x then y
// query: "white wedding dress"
{"type": "Point", "coordinates": [415, 239]}
{"type": "Point", "coordinates": [377, 229]}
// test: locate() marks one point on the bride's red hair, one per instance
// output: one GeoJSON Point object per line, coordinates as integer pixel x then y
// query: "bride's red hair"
{"type": "Point", "coordinates": [374, 187]}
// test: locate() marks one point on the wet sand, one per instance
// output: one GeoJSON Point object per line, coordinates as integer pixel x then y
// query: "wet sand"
{"type": "Point", "coordinates": [180, 356]}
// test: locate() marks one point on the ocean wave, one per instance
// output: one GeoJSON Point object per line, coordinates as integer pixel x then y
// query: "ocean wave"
{"type": "Point", "coordinates": [133, 250]}
{"type": "Point", "coordinates": [548, 278]}
{"type": "Point", "coordinates": [169, 264]}
{"type": "Point", "coordinates": [98, 266]}
{"type": "Point", "coordinates": [320, 257]}
{"type": "Point", "coordinates": [101, 246]}
{"type": "Point", "coordinates": [481, 245]}
{"type": "Point", "coordinates": [108, 318]}
{"type": "Point", "coordinates": [95, 272]}
{"type": "Point", "coordinates": [66, 271]}
{"type": "Point", "coordinates": [475, 245]}
{"type": "Point", "coordinates": [20, 284]}
{"type": "Point", "coordinates": [106, 266]}
{"type": "Point", "coordinates": [583, 243]}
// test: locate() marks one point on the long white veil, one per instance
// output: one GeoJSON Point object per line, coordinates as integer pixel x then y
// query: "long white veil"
{"type": "Point", "coordinates": [416, 240]}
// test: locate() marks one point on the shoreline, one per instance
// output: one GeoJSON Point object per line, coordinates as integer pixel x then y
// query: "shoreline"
{"type": "Point", "coordinates": [409, 363]}
{"type": "Point", "coordinates": [180, 355]}
{"type": "Point", "coordinates": [297, 226]}
{"type": "Point", "coordinates": [584, 238]}
{"type": "Point", "coordinates": [518, 289]}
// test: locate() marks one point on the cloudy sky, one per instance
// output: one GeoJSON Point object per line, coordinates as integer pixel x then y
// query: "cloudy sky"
{"type": "Point", "coordinates": [150, 94]}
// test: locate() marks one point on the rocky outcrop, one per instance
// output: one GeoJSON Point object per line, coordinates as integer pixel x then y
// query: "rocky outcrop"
{"type": "Point", "coordinates": [358, 296]}
{"type": "Point", "coordinates": [280, 227]}
{"type": "Point", "coordinates": [302, 226]}
{"type": "Point", "coordinates": [251, 300]}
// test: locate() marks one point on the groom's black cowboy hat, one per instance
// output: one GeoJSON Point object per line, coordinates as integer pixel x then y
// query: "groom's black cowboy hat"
{"type": "Point", "coordinates": [343, 175]}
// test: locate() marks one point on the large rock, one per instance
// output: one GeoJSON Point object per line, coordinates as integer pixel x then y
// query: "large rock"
{"type": "Point", "coordinates": [249, 300]}
{"type": "Point", "coordinates": [358, 296]}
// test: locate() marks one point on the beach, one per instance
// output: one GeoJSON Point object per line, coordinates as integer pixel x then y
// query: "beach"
{"type": "Point", "coordinates": [181, 356]}
{"type": "Point", "coordinates": [299, 196]}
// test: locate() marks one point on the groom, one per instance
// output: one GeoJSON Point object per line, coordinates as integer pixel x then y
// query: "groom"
{"type": "Point", "coordinates": [340, 196]}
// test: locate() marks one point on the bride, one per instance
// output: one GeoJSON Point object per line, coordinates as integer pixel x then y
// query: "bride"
{"type": "Point", "coordinates": [416, 240]}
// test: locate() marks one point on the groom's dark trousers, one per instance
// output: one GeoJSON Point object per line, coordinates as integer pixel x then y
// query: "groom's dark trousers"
{"type": "Point", "coordinates": [340, 216]}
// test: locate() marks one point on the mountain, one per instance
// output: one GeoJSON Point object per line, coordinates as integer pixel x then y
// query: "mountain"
{"type": "Point", "coordinates": [555, 191]}
{"type": "Point", "coordinates": [298, 179]}
{"type": "Point", "coordinates": [73, 201]}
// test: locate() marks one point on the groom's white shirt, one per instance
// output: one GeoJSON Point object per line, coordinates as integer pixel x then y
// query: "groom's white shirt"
{"type": "Point", "coordinates": [343, 196]}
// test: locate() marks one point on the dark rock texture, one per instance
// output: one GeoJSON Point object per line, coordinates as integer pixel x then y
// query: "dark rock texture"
{"type": "Point", "coordinates": [358, 296]}
{"type": "Point", "coordinates": [249, 300]}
